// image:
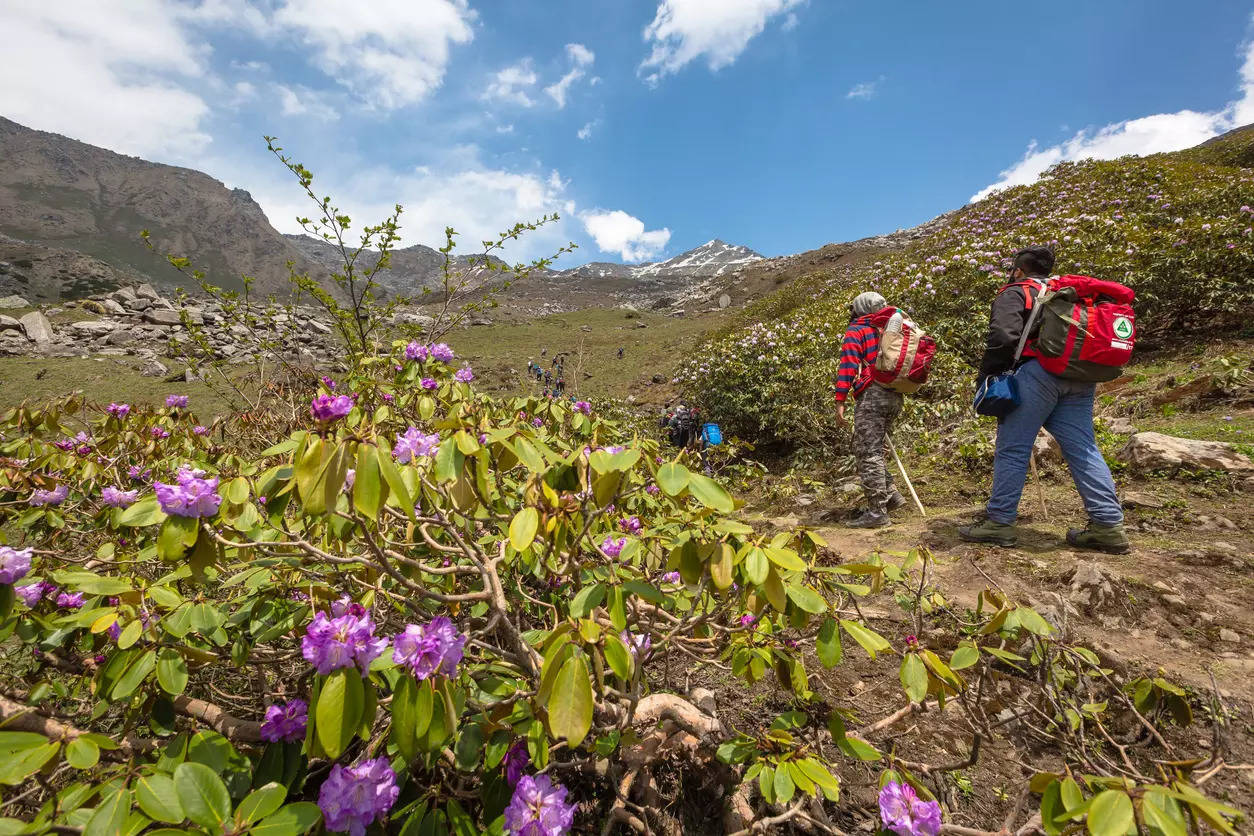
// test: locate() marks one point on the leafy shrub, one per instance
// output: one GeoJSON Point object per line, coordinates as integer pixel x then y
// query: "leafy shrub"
{"type": "Point", "coordinates": [1176, 230]}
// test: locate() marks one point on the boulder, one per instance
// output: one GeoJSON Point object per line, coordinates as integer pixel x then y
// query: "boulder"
{"type": "Point", "coordinates": [92, 327]}
{"type": "Point", "coordinates": [154, 368]}
{"type": "Point", "coordinates": [1151, 451]}
{"type": "Point", "coordinates": [114, 307]}
{"type": "Point", "coordinates": [1142, 499]}
{"type": "Point", "coordinates": [38, 329]}
{"type": "Point", "coordinates": [1046, 448]}
{"type": "Point", "coordinates": [8, 323]}
{"type": "Point", "coordinates": [158, 316]}
{"type": "Point", "coordinates": [1092, 586]}
{"type": "Point", "coordinates": [8, 302]}
{"type": "Point", "coordinates": [1119, 426]}
{"type": "Point", "coordinates": [147, 291]}
{"type": "Point", "coordinates": [724, 301]}
{"type": "Point", "coordinates": [121, 336]}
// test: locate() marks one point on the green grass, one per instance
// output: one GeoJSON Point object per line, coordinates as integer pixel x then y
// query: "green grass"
{"type": "Point", "coordinates": [499, 353]}
{"type": "Point", "coordinates": [101, 379]}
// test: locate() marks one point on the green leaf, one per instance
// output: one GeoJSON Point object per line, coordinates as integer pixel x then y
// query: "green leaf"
{"type": "Point", "coordinates": [856, 747]}
{"type": "Point", "coordinates": [134, 675]}
{"type": "Point", "coordinates": [964, 657]}
{"type": "Point", "coordinates": [92, 584]}
{"type": "Point", "coordinates": [411, 714]}
{"type": "Point", "coordinates": [396, 485]}
{"type": "Point", "coordinates": [913, 676]}
{"type": "Point", "coordinates": [756, 566]}
{"type": "Point", "coordinates": [1162, 815]}
{"type": "Point", "coordinates": [291, 820]}
{"type": "Point", "coordinates": [523, 527]}
{"type": "Point", "coordinates": [202, 795]}
{"type": "Point", "coordinates": [784, 786]}
{"type": "Point", "coordinates": [338, 713]}
{"type": "Point", "coordinates": [570, 702]}
{"type": "Point", "coordinates": [143, 513]}
{"type": "Point", "coordinates": [81, 753]}
{"type": "Point", "coordinates": [587, 599]}
{"type": "Point", "coordinates": [110, 816]}
{"type": "Point", "coordinates": [722, 562]}
{"type": "Point", "coordinates": [130, 634]}
{"type": "Point", "coordinates": [785, 559]}
{"type": "Point", "coordinates": [260, 803]}
{"type": "Point", "coordinates": [1031, 621]}
{"type": "Point", "coordinates": [618, 656]}
{"type": "Point", "coordinates": [368, 493]}
{"type": "Point", "coordinates": [158, 798]}
{"type": "Point", "coordinates": [1111, 814]}
{"type": "Point", "coordinates": [21, 763]}
{"type": "Point", "coordinates": [827, 644]}
{"type": "Point", "coordinates": [177, 534]}
{"type": "Point", "coordinates": [807, 599]}
{"type": "Point", "coordinates": [672, 478]}
{"type": "Point", "coordinates": [871, 641]}
{"type": "Point", "coordinates": [708, 492]}
{"type": "Point", "coordinates": [171, 671]}
{"type": "Point", "coordinates": [448, 461]}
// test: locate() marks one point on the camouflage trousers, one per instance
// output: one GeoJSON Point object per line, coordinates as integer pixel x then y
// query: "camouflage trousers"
{"type": "Point", "coordinates": [872, 422]}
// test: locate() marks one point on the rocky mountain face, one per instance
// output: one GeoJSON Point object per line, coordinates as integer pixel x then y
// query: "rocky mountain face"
{"type": "Point", "coordinates": [410, 270]}
{"type": "Point", "coordinates": [60, 193]}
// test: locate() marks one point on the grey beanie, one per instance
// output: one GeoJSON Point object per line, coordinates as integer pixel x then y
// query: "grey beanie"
{"type": "Point", "coordinates": [868, 303]}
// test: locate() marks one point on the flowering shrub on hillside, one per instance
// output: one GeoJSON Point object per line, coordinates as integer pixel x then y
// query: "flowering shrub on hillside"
{"type": "Point", "coordinates": [1179, 232]}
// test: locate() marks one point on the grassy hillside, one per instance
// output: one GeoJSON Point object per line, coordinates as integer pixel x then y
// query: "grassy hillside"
{"type": "Point", "coordinates": [1175, 227]}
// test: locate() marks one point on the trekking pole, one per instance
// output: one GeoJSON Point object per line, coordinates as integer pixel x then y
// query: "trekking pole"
{"type": "Point", "coordinates": [1040, 489]}
{"type": "Point", "coordinates": [904, 475]}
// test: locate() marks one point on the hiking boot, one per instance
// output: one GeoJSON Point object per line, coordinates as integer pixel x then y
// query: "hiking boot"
{"type": "Point", "coordinates": [896, 501]}
{"type": "Point", "coordinates": [1103, 538]}
{"type": "Point", "coordinates": [999, 534]}
{"type": "Point", "coordinates": [870, 520]}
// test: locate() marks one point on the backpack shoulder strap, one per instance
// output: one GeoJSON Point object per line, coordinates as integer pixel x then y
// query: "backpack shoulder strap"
{"type": "Point", "coordinates": [1039, 284]}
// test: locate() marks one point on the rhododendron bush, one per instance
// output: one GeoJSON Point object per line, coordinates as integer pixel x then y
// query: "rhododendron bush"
{"type": "Point", "coordinates": [1179, 231]}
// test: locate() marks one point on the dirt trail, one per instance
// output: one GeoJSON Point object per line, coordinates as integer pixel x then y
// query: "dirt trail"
{"type": "Point", "coordinates": [1182, 601]}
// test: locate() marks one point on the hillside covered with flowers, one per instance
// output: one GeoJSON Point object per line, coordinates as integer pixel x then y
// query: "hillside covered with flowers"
{"type": "Point", "coordinates": [1177, 228]}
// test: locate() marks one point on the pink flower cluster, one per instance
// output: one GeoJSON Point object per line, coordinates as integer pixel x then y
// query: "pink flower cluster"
{"type": "Point", "coordinates": [194, 495]}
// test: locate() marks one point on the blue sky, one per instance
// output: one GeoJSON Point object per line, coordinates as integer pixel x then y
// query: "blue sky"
{"type": "Point", "coordinates": [650, 125]}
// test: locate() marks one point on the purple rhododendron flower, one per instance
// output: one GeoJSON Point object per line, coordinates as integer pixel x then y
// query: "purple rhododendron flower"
{"type": "Point", "coordinates": [200, 430]}
{"type": "Point", "coordinates": [464, 375]}
{"type": "Point", "coordinates": [537, 422]}
{"type": "Point", "coordinates": [612, 547]}
{"type": "Point", "coordinates": [328, 408]}
{"type": "Point", "coordinates": [615, 449]}
{"type": "Point", "coordinates": [638, 645]}
{"type": "Point", "coordinates": [328, 382]}
{"type": "Point", "coordinates": [342, 641]}
{"type": "Point", "coordinates": [352, 797]}
{"type": "Point", "coordinates": [138, 474]}
{"type": "Point", "coordinates": [286, 723]}
{"type": "Point", "coordinates": [905, 814]}
{"type": "Point", "coordinates": [415, 444]}
{"type": "Point", "coordinates": [435, 647]}
{"type": "Point", "coordinates": [32, 592]}
{"type": "Point", "coordinates": [193, 496]}
{"type": "Point", "coordinates": [516, 760]}
{"type": "Point", "coordinates": [747, 619]}
{"type": "Point", "coordinates": [416, 351]}
{"type": "Point", "coordinates": [160, 432]}
{"type": "Point", "coordinates": [428, 383]}
{"type": "Point", "coordinates": [14, 563]}
{"type": "Point", "coordinates": [671, 577]}
{"type": "Point", "coordinates": [176, 401]}
{"type": "Point", "coordinates": [442, 353]}
{"type": "Point", "coordinates": [538, 808]}
{"type": "Point", "coordinates": [53, 497]}
{"type": "Point", "coordinates": [70, 600]}
{"type": "Point", "coordinates": [652, 490]}
{"type": "Point", "coordinates": [118, 410]}
{"type": "Point", "coordinates": [583, 406]}
{"type": "Point", "coordinates": [115, 630]}
{"type": "Point", "coordinates": [65, 445]}
{"type": "Point", "coordinates": [350, 479]}
{"type": "Point", "coordinates": [117, 498]}
{"type": "Point", "coordinates": [631, 525]}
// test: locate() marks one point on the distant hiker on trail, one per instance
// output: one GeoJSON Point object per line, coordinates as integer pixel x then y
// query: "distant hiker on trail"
{"type": "Point", "coordinates": [1061, 404]}
{"type": "Point", "coordinates": [620, 352]}
{"type": "Point", "coordinates": [878, 407]}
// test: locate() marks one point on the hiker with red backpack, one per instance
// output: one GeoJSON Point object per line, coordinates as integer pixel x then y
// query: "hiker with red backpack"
{"type": "Point", "coordinates": [883, 356]}
{"type": "Point", "coordinates": [1050, 341]}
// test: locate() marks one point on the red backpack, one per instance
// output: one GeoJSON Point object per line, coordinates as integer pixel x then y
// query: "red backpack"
{"type": "Point", "coordinates": [905, 353]}
{"type": "Point", "coordinates": [1079, 328]}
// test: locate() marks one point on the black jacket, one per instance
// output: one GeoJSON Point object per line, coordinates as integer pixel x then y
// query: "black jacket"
{"type": "Point", "coordinates": [1005, 326]}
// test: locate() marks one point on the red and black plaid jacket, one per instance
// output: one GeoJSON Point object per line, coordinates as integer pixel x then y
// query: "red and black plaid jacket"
{"type": "Point", "coordinates": [857, 358]}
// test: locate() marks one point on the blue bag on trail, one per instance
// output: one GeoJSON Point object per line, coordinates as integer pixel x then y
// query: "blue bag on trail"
{"type": "Point", "coordinates": [711, 435]}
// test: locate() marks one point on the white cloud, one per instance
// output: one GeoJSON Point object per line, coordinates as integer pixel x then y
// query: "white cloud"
{"type": "Point", "coordinates": [392, 53]}
{"type": "Point", "coordinates": [586, 131]}
{"type": "Point", "coordinates": [301, 101]}
{"type": "Point", "coordinates": [1154, 134]}
{"type": "Point", "coordinates": [685, 30]}
{"type": "Point", "coordinates": [116, 73]}
{"type": "Point", "coordinates": [505, 129]}
{"type": "Point", "coordinates": [790, 23]}
{"type": "Point", "coordinates": [581, 58]}
{"type": "Point", "coordinates": [617, 232]}
{"type": "Point", "coordinates": [511, 84]}
{"type": "Point", "coordinates": [864, 90]}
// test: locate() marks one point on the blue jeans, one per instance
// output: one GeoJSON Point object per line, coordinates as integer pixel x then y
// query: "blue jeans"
{"type": "Point", "coordinates": [1065, 408]}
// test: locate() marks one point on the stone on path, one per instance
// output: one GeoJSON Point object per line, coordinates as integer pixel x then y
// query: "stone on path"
{"type": "Point", "coordinates": [1150, 451]}
{"type": "Point", "coordinates": [38, 329]}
